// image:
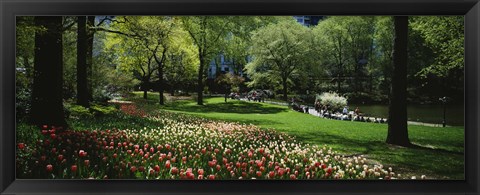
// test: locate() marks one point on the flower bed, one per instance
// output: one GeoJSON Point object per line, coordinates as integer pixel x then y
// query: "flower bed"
{"type": "Point", "coordinates": [185, 147]}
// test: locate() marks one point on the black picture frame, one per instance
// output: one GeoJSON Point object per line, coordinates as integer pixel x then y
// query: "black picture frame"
{"type": "Point", "coordinates": [11, 8]}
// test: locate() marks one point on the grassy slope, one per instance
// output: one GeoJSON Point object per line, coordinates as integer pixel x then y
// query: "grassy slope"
{"type": "Point", "coordinates": [439, 155]}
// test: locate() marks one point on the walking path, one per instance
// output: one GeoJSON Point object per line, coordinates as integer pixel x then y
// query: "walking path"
{"type": "Point", "coordinates": [313, 112]}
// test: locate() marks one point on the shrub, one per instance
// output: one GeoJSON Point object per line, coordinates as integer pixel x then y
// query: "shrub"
{"type": "Point", "coordinates": [77, 111]}
{"type": "Point", "coordinates": [332, 100]}
{"type": "Point", "coordinates": [102, 110]}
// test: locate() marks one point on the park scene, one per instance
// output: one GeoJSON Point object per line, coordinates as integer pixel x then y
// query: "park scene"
{"type": "Point", "coordinates": [240, 97]}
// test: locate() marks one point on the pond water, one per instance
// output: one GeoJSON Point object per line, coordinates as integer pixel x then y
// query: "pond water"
{"type": "Point", "coordinates": [419, 113]}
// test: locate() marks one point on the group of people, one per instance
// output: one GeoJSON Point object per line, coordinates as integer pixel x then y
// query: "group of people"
{"type": "Point", "coordinates": [256, 96]}
{"type": "Point", "coordinates": [345, 114]}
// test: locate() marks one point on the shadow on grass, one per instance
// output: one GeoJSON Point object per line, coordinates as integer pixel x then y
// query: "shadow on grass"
{"type": "Point", "coordinates": [429, 149]}
{"type": "Point", "coordinates": [235, 106]}
{"type": "Point", "coordinates": [416, 160]}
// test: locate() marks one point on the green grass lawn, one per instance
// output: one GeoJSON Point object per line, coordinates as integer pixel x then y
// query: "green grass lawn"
{"type": "Point", "coordinates": [439, 155]}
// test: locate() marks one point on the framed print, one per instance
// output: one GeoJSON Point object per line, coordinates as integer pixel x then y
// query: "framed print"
{"type": "Point", "coordinates": [255, 97]}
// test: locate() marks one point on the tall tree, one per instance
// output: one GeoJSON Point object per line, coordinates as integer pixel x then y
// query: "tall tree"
{"type": "Point", "coordinates": [154, 33]}
{"type": "Point", "coordinates": [89, 55]}
{"type": "Point", "coordinates": [182, 61]}
{"type": "Point", "coordinates": [207, 33]}
{"type": "Point", "coordinates": [331, 40]}
{"type": "Point", "coordinates": [132, 57]}
{"type": "Point", "coordinates": [47, 105]}
{"type": "Point", "coordinates": [82, 85]}
{"type": "Point", "coordinates": [279, 52]}
{"type": "Point", "coordinates": [397, 114]}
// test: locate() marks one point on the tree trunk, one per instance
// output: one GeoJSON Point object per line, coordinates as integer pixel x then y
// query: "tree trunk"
{"type": "Point", "coordinates": [47, 101]}
{"type": "Point", "coordinates": [90, 36]}
{"type": "Point", "coordinates": [200, 81]}
{"type": "Point", "coordinates": [82, 89]}
{"type": "Point", "coordinates": [160, 80]}
{"type": "Point", "coordinates": [144, 87]}
{"type": "Point", "coordinates": [284, 84]}
{"type": "Point", "coordinates": [397, 114]}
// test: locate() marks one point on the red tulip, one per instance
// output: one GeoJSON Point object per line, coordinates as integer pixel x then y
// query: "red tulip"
{"type": "Point", "coordinates": [82, 153]}
{"type": "Point", "coordinates": [167, 164]}
{"type": "Point", "coordinates": [74, 168]}
{"type": "Point", "coordinates": [174, 170]}
{"type": "Point", "coordinates": [157, 168]}
{"type": "Point", "coordinates": [261, 150]}
{"type": "Point", "coordinates": [329, 170]}
{"type": "Point", "coordinates": [86, 162]}
{"type": "Point", "coordinates": [141, 168]}
{"type": "Point", "coordinates": [200, 171]}
{"type": "Point", "coordinates": [271, 174]}
{"type": "Point", "coordinates": [45, 127]}
{"type": "Point", "coordinates": [21, 146]}
{"type": "Point", "coordinates": [259, 173]}
{"type": "Point", "coordinates": [133, 169]}
{"type": "Point", "coordinates": [212, 163]}
{"type": "Point", "coordinates": [324, 166]}
{"type": "Point", "coordinates": [281, 171]}
{"type": "Point", "coordinates": [49, 168]}
{"type": "Point", "coordinates": [190, 175]}
{"type": "Point", "coordinates": [60, 157]}
{"type": "Point", "coordinates": [211, 177]}
{"type": "Point", "coordinates": [115, 155]}
{"type": "Point", "coordinates": [292, 176]}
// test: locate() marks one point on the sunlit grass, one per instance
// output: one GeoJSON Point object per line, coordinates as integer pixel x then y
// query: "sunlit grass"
{"type": "Point", "coordinates": [440, 153]}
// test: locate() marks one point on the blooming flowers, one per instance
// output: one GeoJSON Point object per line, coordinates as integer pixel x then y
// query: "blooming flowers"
{"type": "Point", "coordinates": [185, 147]}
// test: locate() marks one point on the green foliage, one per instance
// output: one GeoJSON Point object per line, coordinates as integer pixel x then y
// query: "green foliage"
{"type": "Point", "coordinates": [102, 110]}
{"type": "Point", "coordinates": [230, 81]}
{"type": "Point", "coordinates": [445, 36]}
{"type": "Point", "coordinates": [279, 53]}
{"type": "Point", "coordinates": [77, 112]}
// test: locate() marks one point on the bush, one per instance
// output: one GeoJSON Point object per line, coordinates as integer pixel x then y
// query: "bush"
{"type": "Point", "coordinates": [77, 111]}
{"type": "Point", "coordinates": [332, 100]}
{"type": "Point", "coordinates": [102, 110]}
{"type": "Point", "coordinates": [22, 104]}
